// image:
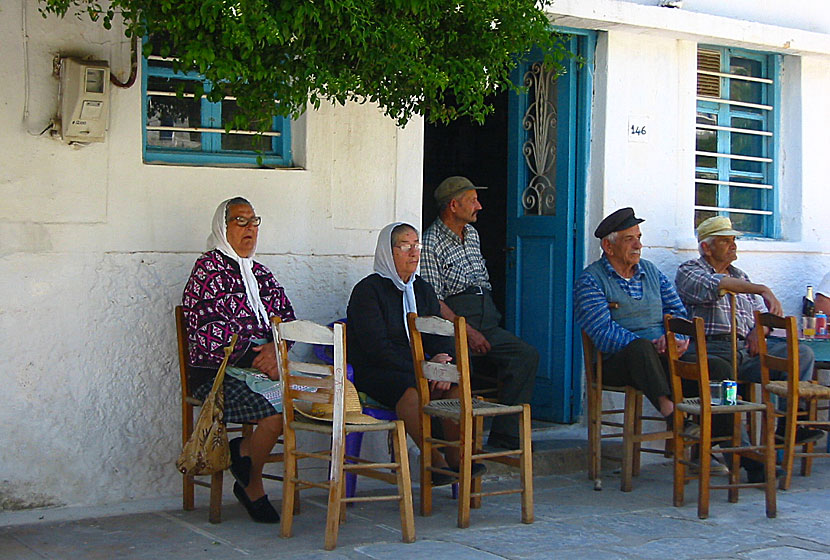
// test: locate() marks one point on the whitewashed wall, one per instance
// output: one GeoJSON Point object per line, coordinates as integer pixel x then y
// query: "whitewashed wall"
{"type": "Point", "coordinates": [95, 248]}
{"type": "Point", "coordinates": [645, 73]}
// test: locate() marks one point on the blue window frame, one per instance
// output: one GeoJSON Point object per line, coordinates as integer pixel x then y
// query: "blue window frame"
{"type": "Point", "coordinates": [736, 138]}
{"type": "Point", "coordinates": [191, 131]}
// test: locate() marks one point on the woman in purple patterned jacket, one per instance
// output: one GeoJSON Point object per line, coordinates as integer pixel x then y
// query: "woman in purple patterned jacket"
{"type": "Point", "coordinates": [229, 293]}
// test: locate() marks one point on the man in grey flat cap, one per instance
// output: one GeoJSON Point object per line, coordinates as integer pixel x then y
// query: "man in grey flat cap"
{"type": "Point", "coordinates": [453, 264]}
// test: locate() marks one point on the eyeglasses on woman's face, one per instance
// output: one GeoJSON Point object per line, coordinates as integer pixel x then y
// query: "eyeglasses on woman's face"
{"type": "Point", "coordinates": [242, 221]}
{"type": "Point", "coordinates": [409, 247]}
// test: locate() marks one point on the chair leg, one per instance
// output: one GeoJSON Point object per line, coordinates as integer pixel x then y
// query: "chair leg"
{"type": "Point", "coordinates": [478, 429]}
{"type": "Point", "coordinates": [465, 470]}
{"type": "Point", "coordinates": [628, 439]}
{"type": "Point", "coordinates": [736, 441]}
{"type": "Point", "coordinates": [679, 451]}
{"type": "Point", "coordinates": [594, 432]}
{"type": "Point", "coordinates": [354, 442]}
{"type": "Point", "coordinates": [638, 430]}
{"type": "Point", "coordinates": [807, 462]}
{"type": "Point", "coordinates": [404, 483]}
{"type": "Point", "coordinates": [336, 488]}
{"type": "Point", "coordinates": [188, 498]}
{"type": "Point", "coordinates": [215, 515]}
{"type": "Point", "coordinates": [789, 444]}
{"type": "Point", "coordinates": [289, 478]}
{"type": "Point", "coordinates": [426, 464]}
{"type": "Point", "coordinates": [336, 512]}
{"type": "Point", "coordinates": [526, 466]}
{"type": "Point", "coordinates": [188, 502]}
{"type": "Point", "coordinates": [769, 463]}
{"type": "Point", "coordinates": [705, 464]}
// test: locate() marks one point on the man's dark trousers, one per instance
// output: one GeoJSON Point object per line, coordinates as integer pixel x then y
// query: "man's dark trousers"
{"type": "Point", "coordinates": [516, 361]}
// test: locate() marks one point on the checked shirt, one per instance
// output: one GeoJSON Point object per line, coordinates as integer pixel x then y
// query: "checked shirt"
{"type": "Point", "coordinates": [449, 264]}
{"type": "Point", "coordinates": [697, 284]}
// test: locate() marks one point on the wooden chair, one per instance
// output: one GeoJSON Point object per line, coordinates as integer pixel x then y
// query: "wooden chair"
{"type": "Point", "coordinates": [794, 391]}
{"type": "Point", "coordinates": [189, 403]}
{"type": "Point", "coordinates": [749, 387]}
{"type": "Point", "coordinates": [702, 408]}
{"type": "Point", "coordinates": [305, 383]}
{"type": "Point", "coordinates": [630, 429]}
{"type": "Point", "coordinates": [469, 413]}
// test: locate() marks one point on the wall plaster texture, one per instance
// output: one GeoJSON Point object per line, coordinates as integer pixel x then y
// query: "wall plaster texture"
{"type": "Point", "coordinates": [95, 246]}
{"type": "Point", "coordinates": [95, 249]}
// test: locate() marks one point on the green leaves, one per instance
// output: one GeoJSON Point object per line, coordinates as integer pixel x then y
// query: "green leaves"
{"type": "Point", "coordinates": [408, 56]}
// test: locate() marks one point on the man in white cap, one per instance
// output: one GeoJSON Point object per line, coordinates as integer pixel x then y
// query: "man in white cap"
{"type": "Point", "coordinates": [699, 282]}
{"type": "Point", "coordinates": [453, 264]}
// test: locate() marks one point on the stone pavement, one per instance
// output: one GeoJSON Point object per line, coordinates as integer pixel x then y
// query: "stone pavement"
{"type": "Point", "coordinates": [572, 521]}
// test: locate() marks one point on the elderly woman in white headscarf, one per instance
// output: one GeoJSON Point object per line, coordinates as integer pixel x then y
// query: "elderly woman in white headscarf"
{"type": "Point", "coordinates": [378, 341]}
{"type": "Point", "coordinates": [230, 293]}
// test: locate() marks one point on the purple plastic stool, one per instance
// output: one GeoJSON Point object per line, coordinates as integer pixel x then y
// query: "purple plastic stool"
{"type": "Point", "coordinates": [354, 441]}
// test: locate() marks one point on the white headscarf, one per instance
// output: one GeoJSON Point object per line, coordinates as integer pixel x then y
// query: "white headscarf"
{"type": "Point", "coordinates": [385, 266]}
{"type": "Point", "coordinates": [218, 239]}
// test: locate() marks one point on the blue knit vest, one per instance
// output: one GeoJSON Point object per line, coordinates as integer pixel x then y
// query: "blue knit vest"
{"type": "Point", "coordinates": [643, 317]}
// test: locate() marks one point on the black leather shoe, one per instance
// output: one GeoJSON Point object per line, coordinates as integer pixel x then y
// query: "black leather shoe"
{"type": "Point", "coordinates": [441, 479]}
{"type": "Point", "coordinates": [802, 434]}
{"type": "Point", "coordinates": [755, 470]}
{"type": "Point", "coordinates": [240, 466]}
{"type": "Point", "coordinates": [503, 441]}
{"type": "Point", "coordinates": [260, 510]}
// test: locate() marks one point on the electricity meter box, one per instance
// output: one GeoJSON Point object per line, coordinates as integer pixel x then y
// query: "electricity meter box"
{"type": "Point", "coordinates": [84, 99]}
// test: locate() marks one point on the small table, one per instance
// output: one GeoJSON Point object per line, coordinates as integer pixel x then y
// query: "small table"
{"type": "Point", "coordinates": [820, 346]}
{"type": "Point", "coordinates": [821, 349]}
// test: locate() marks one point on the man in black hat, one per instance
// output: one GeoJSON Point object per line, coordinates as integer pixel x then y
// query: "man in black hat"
{"type": "Point", "coordinates": [630, 336]}
{"type": "Point", "coordinates": [453, 264]}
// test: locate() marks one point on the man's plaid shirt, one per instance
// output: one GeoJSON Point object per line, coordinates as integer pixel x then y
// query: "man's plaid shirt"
{"type": "Point", "coordinates": [449, 264]}
{"type": "Point", "coordinates": [697, 283]}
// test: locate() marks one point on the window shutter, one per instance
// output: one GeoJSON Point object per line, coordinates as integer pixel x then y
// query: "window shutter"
{"type": "Point", "coordinates": [707, 85]}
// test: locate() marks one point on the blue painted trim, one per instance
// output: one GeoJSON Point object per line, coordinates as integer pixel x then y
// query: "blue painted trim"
{"type": "Point", "coordinates": [770, 68]}
{"type": "Point", "coordinates": [580, 119]}
{"type": "Point", "coordinates": [212, 153]}
{"type": "Point", "coordinates": [585, 95]}
{"type": "Point", "coordinates": [777, 74]}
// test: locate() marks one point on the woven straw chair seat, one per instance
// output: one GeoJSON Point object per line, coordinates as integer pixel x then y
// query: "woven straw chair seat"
{"type": "Point", "coordinates": [692, 406]}
{"type": "Point", "coordinates": [806, 389]}
{"type": "Point", "coordinates": [451, 408]}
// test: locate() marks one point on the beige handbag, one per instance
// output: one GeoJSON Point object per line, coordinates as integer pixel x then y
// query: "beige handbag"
{"type": "Point", "coordinates": [207, 451]}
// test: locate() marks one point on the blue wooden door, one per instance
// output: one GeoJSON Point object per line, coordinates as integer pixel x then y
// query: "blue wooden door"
{"type": "Point", "coordinates": [547, 142]}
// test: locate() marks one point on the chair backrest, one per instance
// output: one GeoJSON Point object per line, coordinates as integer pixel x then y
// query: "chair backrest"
{"type": "Point", "coordinates": [593, 361]}
{"type": "Point", "coordinates": [788, 363]}
{"type": "Point", "coordinates": [310, 382]}
{"type": "Point", "coordinates": [184, 357]}
{"type": "Point", "coordinates": [592, 358]}
{"type": "Point", "coordinates": [426, 371]}
{"type": "Point", "coordinates": [698, 370]}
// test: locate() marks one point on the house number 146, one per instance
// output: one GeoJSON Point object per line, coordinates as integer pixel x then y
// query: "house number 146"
{"type": "Point", "coordinates": [638, 129]}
